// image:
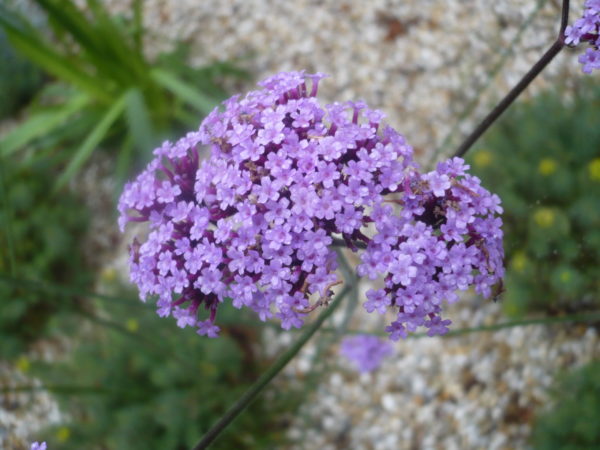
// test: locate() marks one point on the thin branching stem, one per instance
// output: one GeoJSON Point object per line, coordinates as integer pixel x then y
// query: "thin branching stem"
{"type": "Point", "coordinates": [69, 292]}
{"type": "Point", "coordinates": [589, 317]}
{"type": "Point", "coordinates": [268, 376]}
{"type": "Point", "coordinates": [468, 110]}
{"type": "Point", "coordinates": [537, 68]}
{"type": "Point", "coordinates": [340, 243]}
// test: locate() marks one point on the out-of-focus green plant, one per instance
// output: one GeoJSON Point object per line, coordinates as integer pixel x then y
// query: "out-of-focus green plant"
{"type": "Point", "coordinates": [107, 92]}
{"type": "Point", "coordinates": [138, 382]}
{"type": "Point", "coordinates": [543, 160]}
{"type": "Point", "coordinates": [39, 240]}
{"type": "Point", "coordinates": [19, 79]}
{"type": "Point", "coordinates": [573, 421]}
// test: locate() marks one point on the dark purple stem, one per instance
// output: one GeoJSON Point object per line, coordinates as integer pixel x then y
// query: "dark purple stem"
{"type": "Point", "coordinates": [537, 68]}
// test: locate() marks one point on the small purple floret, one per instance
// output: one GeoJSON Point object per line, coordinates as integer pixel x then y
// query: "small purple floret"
{"type": "Point", "coordinates": [587, 29]}
{"type": "Point", "coordinates": [365, 352]}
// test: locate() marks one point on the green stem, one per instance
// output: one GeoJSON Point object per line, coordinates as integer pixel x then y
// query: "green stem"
{"type": "Point", "coordinates": [537, 68]}
{"type": "Point", "coordinates": [62, 389]}
{"type": "Point", "coordinates": [583, 318]}
{"type": "Point", "coordinates": [67, 291]}
{"type": "Point", "coordinates": [268, 376]}
{"type": "Point", "coordinates": [491, 75]}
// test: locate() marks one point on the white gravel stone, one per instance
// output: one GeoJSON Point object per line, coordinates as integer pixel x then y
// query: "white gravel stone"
{"type": "Point", "coordinates": [421, 63]}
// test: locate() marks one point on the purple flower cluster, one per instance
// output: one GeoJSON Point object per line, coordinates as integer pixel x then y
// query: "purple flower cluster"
{"type": "Point", "coordinates": [445, 238]}
{"type": "Point", "coordinates": [587, 29]}
{"type": "Point", "coordinates": [38, 446]}
{"type": "Point", "coordinates": [365, 352]}
{"type": "Point", "coordinates": [255, 223]}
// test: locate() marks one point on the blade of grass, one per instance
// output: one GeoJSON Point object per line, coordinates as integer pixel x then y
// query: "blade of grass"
{"type": "Point", "coordinates": [119, 54]}
{"type": "Point", "coordinates": [138, 26]}
{"type": "Point", "coordinates": [40, 124]}
{"type": "Point", "coordinates": [66, 16]}
{"type": "Point", "coordinates": [92, 141]}
{"type": "Point", "coordinates": [95, 39]}
{"type": "Point", "coordinates": [28, 41]}
{"type": "Point", "coordinates": [7, 213]}
{"type": "Point", "coordinates": [124, 161]}
{"type": "Point", "coordinates": [184, 91]}
{"type": "Point", "coordinates": [138, 121]}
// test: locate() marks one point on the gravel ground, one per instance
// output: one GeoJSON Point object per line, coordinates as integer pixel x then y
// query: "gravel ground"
{"type": "Point", "coordinates": [424, 63]}
{"type": "Point", "coordinates": [473, 391]}
{"type": "Point", "coordinates": [23, 413]}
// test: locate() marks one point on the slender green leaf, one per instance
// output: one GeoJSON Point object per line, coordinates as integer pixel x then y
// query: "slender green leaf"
{"type": "Point", "coordinates": [119, 54]}
{"type": "Point", "coordinates": [184, 91]}
{"type": "Point", "coordinates": [40, 124]}
{"type": "Point", "coordinates": [65, 136]}
{"type": "Point", "coordinates": [124, 161]}
{"type": "Point", "coordinates": [92, 141]}
{"type": "Point", "coordinates": [100, 42]}
{"type": "Point", "coordinates": [34, 48]}
{"type": "Point", "coordinates": [6, 216]}
{"type": "Point", "coordinates": [65, 15]}
{"type": "Point", "coordinates": [138, 120]}
{"type": "Point", "coordinates": [138, 26]}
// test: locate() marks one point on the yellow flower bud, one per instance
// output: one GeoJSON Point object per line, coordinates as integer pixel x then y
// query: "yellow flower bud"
{"type": "Point", "coordinates": [547, 166]}
{"type": "Point", "coordinates": [483, 158]}
{"type": "Point", "coordinates": [544, 217]}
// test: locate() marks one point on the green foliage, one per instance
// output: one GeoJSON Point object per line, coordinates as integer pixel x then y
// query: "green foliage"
{"type": "Point", "coordinates": [107, 92]}
{"type": "Point", "coordinates": [573, 421]}
{"type": "Point", "coordinates": [543, 160]}
{"type": "Point", "coordinates": [39, 240]}
{"type": "Point", "coordinates": [139, 382]}
{"type": "Point", "coordinates": [19, 79]}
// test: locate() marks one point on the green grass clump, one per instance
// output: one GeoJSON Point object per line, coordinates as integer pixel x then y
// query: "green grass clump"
{"type": "Point", "coordinates": [40, 239]}
{"type": "Point", "coordinates": [573, 421]}
{"type": "Point", "coordinates": [106, 92]}
{"type": "Point", "coordinates": [19, 79]}
{"type": "Point", "coordinates": [543, 160]}
{"type": "Point", "coordinates": [137, 382]}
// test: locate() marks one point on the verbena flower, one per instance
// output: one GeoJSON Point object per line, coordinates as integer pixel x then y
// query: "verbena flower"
{"type": "Point", "coordinates": [38, 446]}
{"type": "Point", "coordinates": [587, 29]}
{"type": "Point", "coordinates": [254, 223]}
{"type": "Point", "coordinates": [365, 352]}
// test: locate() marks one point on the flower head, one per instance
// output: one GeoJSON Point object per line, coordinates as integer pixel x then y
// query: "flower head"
{"type": "Point", "coordinates": [587, 29]}
{"type": "Point", "coordinates": [38, 446]}
{"type": "Point", "coordinates": [254, 223]}
{"type": "Point", "coordinates": [365, 352]}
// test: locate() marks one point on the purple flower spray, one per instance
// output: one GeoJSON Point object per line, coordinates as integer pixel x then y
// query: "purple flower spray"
{"type": "Point", "coordinates": [286, 180]}
{"type": "Point", "coordinates": [587, 29]}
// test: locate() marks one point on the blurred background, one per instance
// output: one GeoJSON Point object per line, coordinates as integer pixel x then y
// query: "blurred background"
{"type": "Point", "coordinates": [88, 88]}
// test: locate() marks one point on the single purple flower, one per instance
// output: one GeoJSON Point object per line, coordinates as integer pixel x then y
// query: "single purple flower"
{"type": "Point", "coordinates": [365, 352]}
